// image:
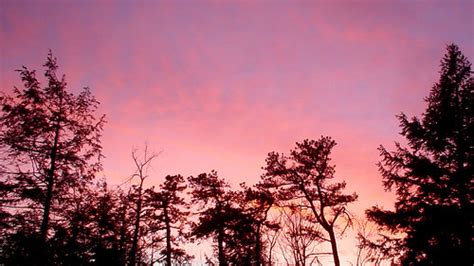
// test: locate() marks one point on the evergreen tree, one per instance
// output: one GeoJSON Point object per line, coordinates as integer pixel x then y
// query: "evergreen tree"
{"type": "Point", "coordinates": [433, 173]}
{"type": "Point", "coordinates": [305, 174]}
{"type": "Point", "coordinates": [256, 203]}
{"type": "Point", "coordinates": [50, 140]}
{"type": "Point", "coordinates": [105, 228]}
{"type": "Point", "coordinates": [222, 218]}
{"type": "Point", "coordinates": [210, 191]}
{"type": "Point", "coordinates": [168, 214]}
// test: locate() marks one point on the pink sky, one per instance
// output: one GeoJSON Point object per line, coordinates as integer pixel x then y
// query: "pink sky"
{"type": "Point", "coordinates": [219, 84]}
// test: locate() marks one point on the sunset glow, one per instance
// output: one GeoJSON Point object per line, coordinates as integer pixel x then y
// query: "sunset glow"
{"type": "Point", "coordinates": [219, 84]}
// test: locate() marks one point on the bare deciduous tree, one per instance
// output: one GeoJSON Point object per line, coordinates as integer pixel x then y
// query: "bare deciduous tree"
{"type": "Point", "coordinates": [300, 237]}
{"type": "Point", "coordinates": [142, 165]}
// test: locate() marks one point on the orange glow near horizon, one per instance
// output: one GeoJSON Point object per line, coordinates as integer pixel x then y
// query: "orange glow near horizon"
{"type": "Point", "coordinates": [218, 85]}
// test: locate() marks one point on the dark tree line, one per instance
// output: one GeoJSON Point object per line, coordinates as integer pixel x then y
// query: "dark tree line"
{"type": "Point", "coordinates": [55, 211]}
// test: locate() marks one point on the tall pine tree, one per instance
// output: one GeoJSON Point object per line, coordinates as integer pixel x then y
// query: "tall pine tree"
{"type": "Point", "coordinates": [306, 174]}
{"type": "Point", "coordinates": [50, 142]}
{"type": "Point", "coordinates": [169, 215]}
{"type": "Point", "coordinates": [433, 173]}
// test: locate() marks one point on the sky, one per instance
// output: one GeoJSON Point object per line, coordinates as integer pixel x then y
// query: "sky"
{"type": "Point", "coordinates": [219, 84]}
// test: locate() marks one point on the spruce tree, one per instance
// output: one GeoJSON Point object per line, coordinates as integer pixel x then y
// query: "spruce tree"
{"type": "Point", "coordinates": [433, 173]}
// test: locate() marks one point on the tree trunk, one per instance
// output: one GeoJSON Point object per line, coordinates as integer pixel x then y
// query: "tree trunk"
{"type": "Point", "coordinates": [258, 256]}
{"type": "Point", "coordinates": [47, 206]}
{"type": "Point", "coordinates": [133, 251]}
{"type": "Point", "coordinates": [49, 195]}
{"type": "Point", "coordinates": [123, 229]}
{"type": "Point", "coordinates": [220, 248]}
{"type": "Point", "coordinates": [322, 220]}
{"type": "Point", "coordinates": [335, 254]}
{"type": "Point", "coordinates": [168, 236]}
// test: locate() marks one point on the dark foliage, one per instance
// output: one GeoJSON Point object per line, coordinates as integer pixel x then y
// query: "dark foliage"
{"type": "Point", "coordinates": [167, 210]}
{"type": "Point", "coordinates": [304, 174]}
{"type": "Point", "coordinates": [233, 219]}
{"type": "Point", "coordinates": [433, 174]}
{"type": "Point", "coordinates": [256, 204]}
{"type": "Point", "coordinates": [50, 139]}
{"type": "Point", "coordinates": [216, 213]}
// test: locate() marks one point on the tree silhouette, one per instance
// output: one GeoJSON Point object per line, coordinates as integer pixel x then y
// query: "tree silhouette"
{"type": "Point", "coordinates": [433, 174]}
{"type": "Point", "coordinates": [125, 217]}
{"type": "Point", "coordinates": [142, 165]}
{"type": "Point", "coordinates": [210, 191]}
{"type": "Point", "coordinates": [222, 217]}
{"type": "Point", "coordinates": [52, 213]}
{"type": "Point", "coordinates": [72, 236]}
{"type": "Point", "coordinates": [246, 221]}
{"type": "Point", "coordinates": [51, 140]}
{"type": "Point", "coordinates": [370, 247]}
{"type": "Point", "coordinates": [300, 237]}
{"type": "Point", "coordinates": [256, 203]}
{"type": "Point", "coordinates": [168, 214]}
{"type": "Point", "coordinates": [304, 174]}
{"type": "Point", "coordinates": [271, 237]}
{"type": "Point", "coordinates": [105, 228]}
